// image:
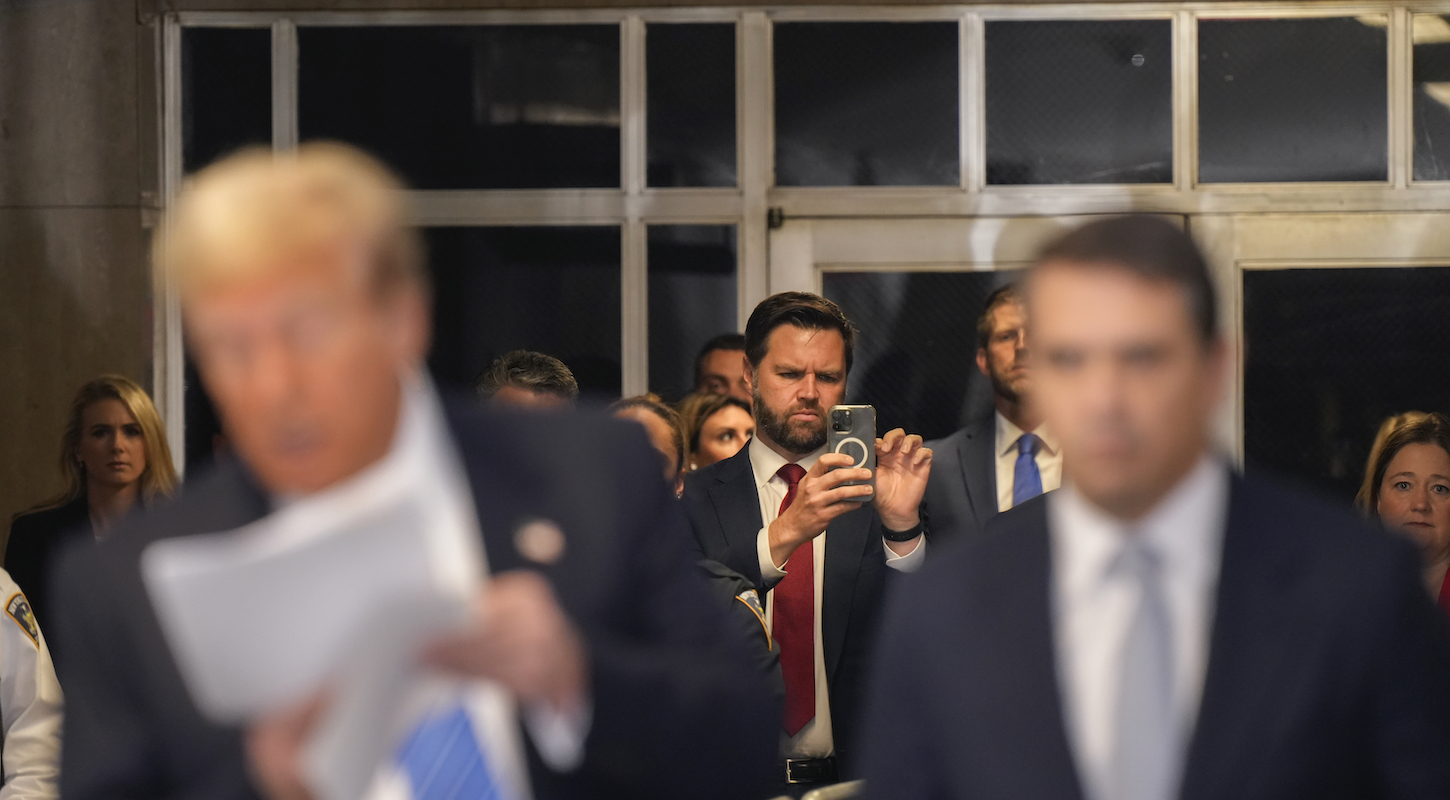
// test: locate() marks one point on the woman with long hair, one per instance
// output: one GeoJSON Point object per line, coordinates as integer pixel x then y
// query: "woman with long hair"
{"type": "Point", "coordinates": [113, 455]}
{"type": "Point", "coordinates": [1407, 487]}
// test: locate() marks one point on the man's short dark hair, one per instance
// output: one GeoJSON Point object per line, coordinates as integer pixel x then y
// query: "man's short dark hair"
{"type": "Point", "coordinates": [802, 309]}
{"type": "Point", "coordinates": [1150, 247]}
{"type": "Point", "coordinates": [1001, 296]}
{"type": "Point", "coordinates": [725, 341]}
{"type": "Point", "coordinates": [531, 371]}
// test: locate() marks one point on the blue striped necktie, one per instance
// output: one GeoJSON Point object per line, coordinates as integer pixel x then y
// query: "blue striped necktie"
{"type": "Point", "coordinates": [443, 760]}
{"type": "Point", "coordinates": [1026, 478]}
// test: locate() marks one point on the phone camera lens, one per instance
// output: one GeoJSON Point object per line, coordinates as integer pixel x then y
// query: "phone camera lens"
{"type": "Point", "coordinates": [841, 419]}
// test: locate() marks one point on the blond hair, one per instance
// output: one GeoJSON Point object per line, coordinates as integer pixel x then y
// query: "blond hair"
{"type": "Point", "coordinates": [159, 477]}
{"type": "Point", "coordinates": [257, 211]}
{"type": "Point", "coordinates": [1367, 498]}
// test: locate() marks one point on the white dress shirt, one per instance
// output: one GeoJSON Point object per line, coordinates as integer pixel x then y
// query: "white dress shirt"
{"type": "Point", "coordinates": [815, 739]}
{"type": "Point", "coordinates": [422, 465]}
{"type": "Point", "coordinates": [1048, 458]}
{"type": "Point", "coordinates": [1093, 605]}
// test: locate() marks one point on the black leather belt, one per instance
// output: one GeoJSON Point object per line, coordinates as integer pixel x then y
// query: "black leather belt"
{"type": "Point", "coordinates": [810, 770]}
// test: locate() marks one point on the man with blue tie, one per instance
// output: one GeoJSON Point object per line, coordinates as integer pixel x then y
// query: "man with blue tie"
{"type": "Point", "coordinates": [595, 662]}
{"type": "Point", "coordinates": [1160, 627]}
{"type": "Point", "coordinates": [1005, 460]}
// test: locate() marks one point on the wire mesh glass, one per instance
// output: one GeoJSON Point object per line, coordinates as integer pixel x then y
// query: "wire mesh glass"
{"type": "Point", "coordinates": [550, 289]}
{"type": "Point", "coordinates": [1079, 101]}
{"type": "Point", "coordinates": [691, 104]}
{"type": "Point", "coordinates": [469, 107]}
{"type": "Point", "coordinates": [1432, 97]}
{"type": "Point", "coordinates": [1293, 100]}
{"type": "Point", "coordinates": [867, 104]}
{"type": "Point", "coordinates": [1330, 354]}
{"type": "Point", "coordinates": [692, 288]}
{"type": "Point", "coordinates": [916, 351]}
{"type": "Point", "coordinates": [226, 92]}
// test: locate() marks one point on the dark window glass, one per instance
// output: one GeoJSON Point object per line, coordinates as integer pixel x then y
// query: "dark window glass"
{"type": "Point", "coordinates": [1080, 102]}
{"type": "Point", "coordinates": [1432, 97]}
{"type": "Point", "coordinates": [866, 104]}
{"type": "Point", "coordinates": [1331, 354]}
{"type": "Point", "coordinates": [1292, 100]}
{"type": "Point", "coordinates": [469, 107]}
{"type": "Point", "coordinates": [226, 92]}
{"type": "Point", "coordinates": [691, 104]}
{"type": "Point", "coordinates": [555, 290]}
{"type": "Point", "coordinates": [917, 348]}
{"type": "Point", "coordinates": [691, 299]}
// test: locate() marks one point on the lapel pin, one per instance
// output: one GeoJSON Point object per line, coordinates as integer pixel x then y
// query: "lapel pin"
{"type": "Point", "coordinates": [540, 541]}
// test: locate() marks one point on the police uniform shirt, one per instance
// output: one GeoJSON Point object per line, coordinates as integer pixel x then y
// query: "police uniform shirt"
{"type": "Point", "coordinates": [30, 702]}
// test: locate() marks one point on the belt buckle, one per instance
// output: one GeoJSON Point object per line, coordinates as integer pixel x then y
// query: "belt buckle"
{"type": "Point", "coordinates": [790, 765]}
{"type": "Point", "coordinates": [812, 770]}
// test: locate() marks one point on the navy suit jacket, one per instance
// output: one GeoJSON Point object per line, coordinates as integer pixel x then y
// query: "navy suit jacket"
{"type": "Point", "coordinates": [677, 703]}
{"type": "Point", "coordinates": [1328, 673]}
{"type": "Point", "coordinates": [724, 511]}
{"type": "Point", "coordinates": [962, 489]}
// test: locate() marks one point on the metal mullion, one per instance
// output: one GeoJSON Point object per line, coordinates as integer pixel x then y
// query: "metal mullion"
{"type": "Point", "coordinates": [1401, 134]}
{"type": "Point", "coordinates": [634, 255]}
{"type": "Point", "coordinates": [168, 359]}
{"type": "Point", "coordinates": [973, 71]}
{"type": "Point", "coordinates": [518, 207]}
{"type": "Point", "coordinates": [755, 133]}
{"type": "Point", "coordinates": [284, 85]}
{"type": "Point", "coordinates": [1185, 100]}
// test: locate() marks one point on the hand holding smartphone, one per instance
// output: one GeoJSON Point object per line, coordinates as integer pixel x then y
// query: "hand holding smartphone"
{"type": "Point", "coordinates": [852, 432]}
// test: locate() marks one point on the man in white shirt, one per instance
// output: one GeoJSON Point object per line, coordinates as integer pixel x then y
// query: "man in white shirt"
{"type": "Point", "coordinates": [1005, 460]}
{"type": "Point", "coordinates": [779, 512]}
{"type": "Point", "coordinates": [1160, 627]}
{"type": "Point", "coordinates": [595, 664]}
{"type": "Point", "coordinates": [30, 702]}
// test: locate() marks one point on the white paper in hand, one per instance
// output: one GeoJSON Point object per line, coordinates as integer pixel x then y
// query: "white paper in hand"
{"type": "Point", "coordinates": [258, 618]}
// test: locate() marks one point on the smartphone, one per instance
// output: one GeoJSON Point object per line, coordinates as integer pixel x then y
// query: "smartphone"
{"type": "Point", "coordinates": [852, 431]}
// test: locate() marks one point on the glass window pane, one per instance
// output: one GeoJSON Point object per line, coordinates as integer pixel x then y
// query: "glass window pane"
{"type": "Point", "coordinates": [691, 104]}
{"type": "Point", "coordinates": [469, 107]}
{"type": "Point", "coordinates": [691, 300]}
{"type": "Point", "coordinates": [1432, 97]}
{"type": "Point", "coordinates": [555, 290]}
{"type": "Point", "coordinates": [916, 352]}
{"type": "Point", "coordinates": [1330, 354]}
{"type": "Point", "coordinates": [1292, 100]}
{"type": "Point", "coordinates": [1080, 102]}
{"type": "Point", "coordinates": [226, 92]}
{"type": "Point", "coordinates": [866, 104]}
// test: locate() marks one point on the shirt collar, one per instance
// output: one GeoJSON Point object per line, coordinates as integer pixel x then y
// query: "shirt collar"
{"type": "Point", "coordinates": [1008, 433]}
{"type": "Point", "coordinates": [1185, 529]}
{"type": "Point", "coordinates": [765, 462]}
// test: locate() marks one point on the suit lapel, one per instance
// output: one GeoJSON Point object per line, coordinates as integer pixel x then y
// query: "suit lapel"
{"type": "Point", "coordinates": [498, 495]}
{"type": "Point", "coordinates": [736, 500]}
{"type": "Point", "coordinates": [1252, 633]}
{"type": "Point", "coordinates": [979, 470]}
{"type": "Point", "coordinates": [1025, 650]}
{"type": "Point", "coordinates": [847, 540]}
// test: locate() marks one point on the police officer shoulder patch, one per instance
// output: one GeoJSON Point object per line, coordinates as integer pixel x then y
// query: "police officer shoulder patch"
{"type": "Point", "coordinates": [19, 610]}
{"type": "Point", "coordinates": [751, 599]}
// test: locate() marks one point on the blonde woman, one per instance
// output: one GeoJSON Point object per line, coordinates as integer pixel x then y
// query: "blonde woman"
{"type": "Point", "coordinates": [113, 454]}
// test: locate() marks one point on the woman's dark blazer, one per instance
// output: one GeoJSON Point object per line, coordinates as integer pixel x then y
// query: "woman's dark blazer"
{"type": "Point", "coordinates": [35, 539]}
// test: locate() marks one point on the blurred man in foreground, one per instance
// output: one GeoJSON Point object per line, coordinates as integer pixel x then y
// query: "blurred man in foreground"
{"type": "Point", "coordinates": [1006, 459]}
{"type": "Point", "coordinates": [306, 302]}
{"type": "Point", "coordinates": [1160, 627]}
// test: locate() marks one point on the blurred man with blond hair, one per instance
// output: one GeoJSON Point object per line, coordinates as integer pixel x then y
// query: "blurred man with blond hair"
{"type": "Point", "coordinates": [307, 309]}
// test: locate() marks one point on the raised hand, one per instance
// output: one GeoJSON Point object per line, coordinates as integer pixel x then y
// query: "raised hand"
{"type": "Point", "coordinates": [902, 467]}
{"type": "Point", "coordinates": [819, 498]}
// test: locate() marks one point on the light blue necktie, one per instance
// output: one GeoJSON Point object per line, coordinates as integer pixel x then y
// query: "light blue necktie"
{"type": "Point", "coordinates": [1026, 478]}
{"type": "Point", "coordinates": [1147, 745]}
{"type": "Point", "coordinates": [443, 760]}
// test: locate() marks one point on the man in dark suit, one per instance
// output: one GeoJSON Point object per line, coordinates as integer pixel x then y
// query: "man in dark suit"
{"type": "Point", "coordinates": [780, 513]}
{"type": "Point", "coordinates": [1159, 627]}
{"type": "Point", "coordinates": [1009, 458]}
{"type": "Point", "coordinates": [610, 670]}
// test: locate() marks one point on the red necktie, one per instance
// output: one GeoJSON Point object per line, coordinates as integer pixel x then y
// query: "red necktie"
{"type": "Point", "coordinates": [793, 621]}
